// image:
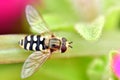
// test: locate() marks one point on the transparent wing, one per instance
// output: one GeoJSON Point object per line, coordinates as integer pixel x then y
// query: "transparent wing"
{"type": "Point", "coordinates": [33, 62]}
{"type": "Point", "coordinates": [35, 20]}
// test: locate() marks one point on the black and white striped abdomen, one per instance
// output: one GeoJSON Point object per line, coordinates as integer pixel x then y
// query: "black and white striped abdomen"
{"type": "Point", "coordinates": [33, 43]}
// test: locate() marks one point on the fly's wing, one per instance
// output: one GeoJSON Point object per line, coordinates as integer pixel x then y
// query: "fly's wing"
{"type": "Point", "coordinates": [33, 62]}
{"type": "Point", "coordinates": [35, 20]}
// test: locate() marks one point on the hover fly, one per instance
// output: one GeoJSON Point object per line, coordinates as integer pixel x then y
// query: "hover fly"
{"type": "Point", "coordinates": [43, 46]}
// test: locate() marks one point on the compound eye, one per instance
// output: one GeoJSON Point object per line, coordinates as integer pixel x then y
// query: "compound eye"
{"type": "Point", "coordinates": [64, 39]}
{"type": "Point", "coordinates": [63, 48]}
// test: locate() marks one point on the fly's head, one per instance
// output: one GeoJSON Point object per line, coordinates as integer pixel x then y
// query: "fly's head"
{"type": "Point", "coordinates": [64, 45]}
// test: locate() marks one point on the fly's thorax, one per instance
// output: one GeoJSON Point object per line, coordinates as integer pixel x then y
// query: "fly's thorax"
{"type": "Point", "coordinates": [54, 44]}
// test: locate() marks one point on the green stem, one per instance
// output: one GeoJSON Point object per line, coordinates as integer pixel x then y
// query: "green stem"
{"type": "Point", "coordinates": [11, 52]}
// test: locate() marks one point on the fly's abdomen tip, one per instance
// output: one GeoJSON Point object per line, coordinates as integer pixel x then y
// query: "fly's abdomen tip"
{"type": "Point", "coordinates": [20, 42]}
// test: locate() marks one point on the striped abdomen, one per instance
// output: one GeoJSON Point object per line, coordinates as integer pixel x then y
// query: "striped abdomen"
{"type": "Point", "coordinates": [33, 42]}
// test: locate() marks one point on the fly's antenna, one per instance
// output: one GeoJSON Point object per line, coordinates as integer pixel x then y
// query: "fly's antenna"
{"type": "Point", "coordinates": [69, 44]}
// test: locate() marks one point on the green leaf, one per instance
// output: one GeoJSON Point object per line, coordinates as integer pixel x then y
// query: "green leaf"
{"type": "Point", "coordinates": [96, 69]}
{"type": "Point", "coordinates": [53, 69]}
{"type": "Point", "coordinates": [11, 52]}
{"type": "Point", "coordinates": [112, 19]}
{"type": "Point", "coordinates": [59, 7]}
{"type": "Point", "coordinates": [91, 31]}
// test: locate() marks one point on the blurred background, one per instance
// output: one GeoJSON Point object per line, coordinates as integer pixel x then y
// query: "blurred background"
{"type": "Point", "coordinates": [87, 60]}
